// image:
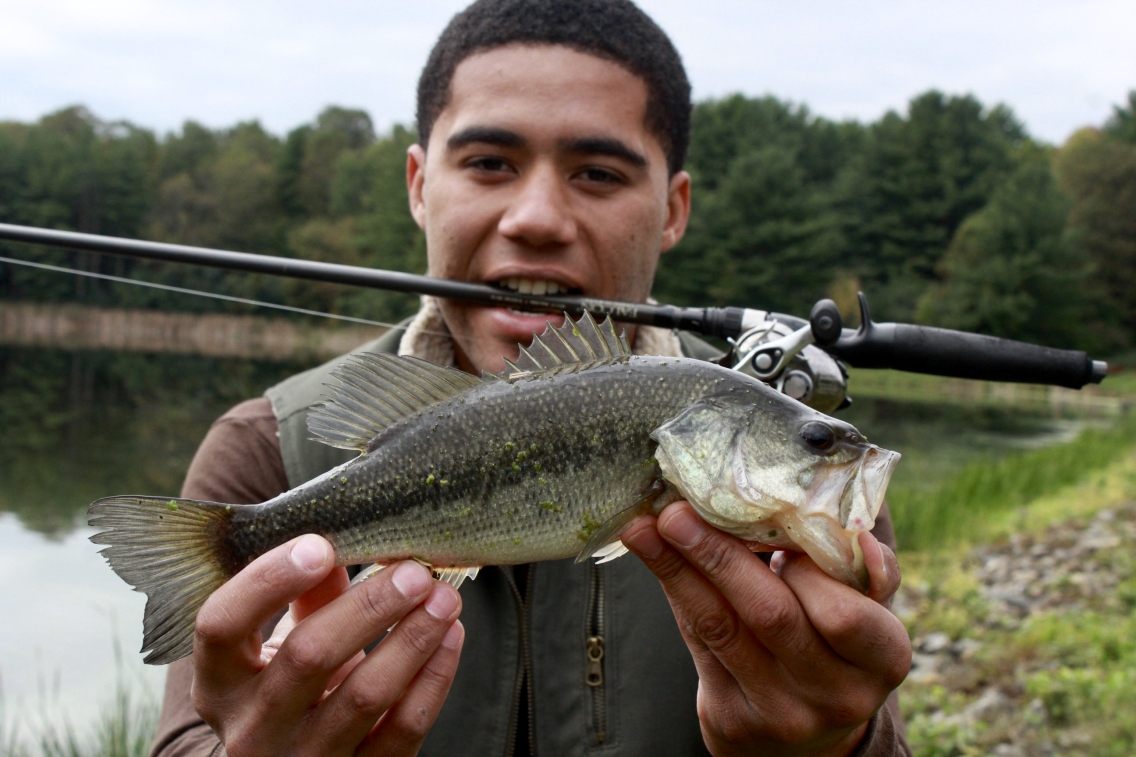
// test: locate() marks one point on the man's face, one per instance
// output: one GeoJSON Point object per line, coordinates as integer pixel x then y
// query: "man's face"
{"type": "Point", "coordinates": [541, 176]}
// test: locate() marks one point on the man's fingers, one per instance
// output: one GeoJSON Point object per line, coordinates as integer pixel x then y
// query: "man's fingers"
{"type": "Point", "coordinates": [706, 617]}
{"type": "Point", "coordinates": [860, 630]}
{"type": "Point", "coordinates": [326, 640]}
{"type": "Point", "coordinates": [227, 632]}
{"type": "Point", "coordinates": [381, 679]}
{"type": "Point", "coordinates": [319, 595]}
{"type": "Point", "coordinates": [764, 603]}
{"type": "Point", "coordinates": [883, 569]}
{"type": "Point", "coordinates": [405, 726]}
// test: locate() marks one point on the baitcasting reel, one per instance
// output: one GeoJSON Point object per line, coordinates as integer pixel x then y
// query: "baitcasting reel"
{"type": "Point", "coordinates": [785, 352]}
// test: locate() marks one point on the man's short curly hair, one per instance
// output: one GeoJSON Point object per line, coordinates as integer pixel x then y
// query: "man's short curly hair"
{"type": "Point", "coordinates": [616, 30]}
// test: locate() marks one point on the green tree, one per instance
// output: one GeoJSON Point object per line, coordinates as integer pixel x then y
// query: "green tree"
{"type": "Point", "coordinates": [1099, 174]}
{"type": "Point", "coordinates": [1013, 271]}
{"type": "Point", "coordinates": [72, 171]}
{"type": "Point", "coordinates": [918, 177]}
{"type": "Point", "coordinates": [762, 232]}
{"type": "Point", "coordinates": [1122, 124]}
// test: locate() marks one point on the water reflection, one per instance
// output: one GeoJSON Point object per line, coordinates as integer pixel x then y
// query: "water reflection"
{"type": "Point", "coordinates": [82, 425]}
{"type": "Point", "coordinates": [937, 437]}
{"type": "Point", "coordinates": [76, 427]}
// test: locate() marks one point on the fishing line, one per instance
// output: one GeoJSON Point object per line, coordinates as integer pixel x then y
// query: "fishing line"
{"type": "Point", "coordinates": [229, 298]}
{"type": "Point", "coordinates": [199, 293]}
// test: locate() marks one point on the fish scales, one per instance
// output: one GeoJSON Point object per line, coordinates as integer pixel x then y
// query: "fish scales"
{"type": "Point", "coordinates": [506, 473]}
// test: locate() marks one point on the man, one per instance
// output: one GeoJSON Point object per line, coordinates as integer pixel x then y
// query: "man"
{"type": "Point", "coordinates": [552, 137]}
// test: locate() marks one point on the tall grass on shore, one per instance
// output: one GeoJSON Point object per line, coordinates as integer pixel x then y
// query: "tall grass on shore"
{"type": "Point", "coordinates": [125, 727]}
{"type": "Point", "coordinates": [969, 501]}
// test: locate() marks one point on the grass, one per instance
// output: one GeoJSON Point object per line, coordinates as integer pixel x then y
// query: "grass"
{"type": "Point", "coordinates": [983, 498]}
{"type": "Point", "coordinates": [125, 727]}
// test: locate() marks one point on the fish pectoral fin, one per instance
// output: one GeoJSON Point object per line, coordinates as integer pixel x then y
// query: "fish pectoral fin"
{"type": "Point", "coordinates": [456, 576]}
{"type": "Point", "coordinates": [603, 541]}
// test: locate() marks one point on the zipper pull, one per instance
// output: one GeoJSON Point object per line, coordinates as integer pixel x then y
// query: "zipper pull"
{"type": "Point", "coordinates": [595, 661]}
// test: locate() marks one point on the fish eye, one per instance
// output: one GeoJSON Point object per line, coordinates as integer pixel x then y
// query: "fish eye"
{"type": "Point", "coordinates": [819, 436]}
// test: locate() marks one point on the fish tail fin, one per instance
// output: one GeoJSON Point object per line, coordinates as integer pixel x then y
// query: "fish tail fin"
{"type": "Point", "coordinates": [169, 549]}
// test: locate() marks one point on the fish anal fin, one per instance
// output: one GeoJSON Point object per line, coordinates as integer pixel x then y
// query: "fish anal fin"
{"type": "Point", "coordinates": [455, 577]}
{"type": "Point", "coordinates": [602, 541]}
{"type": "Point", "coordinates": [366, 573]}
{"type": "Point", "coordinates": [375, 391]}
{"type": "Point", "coordinates": [611, 552]}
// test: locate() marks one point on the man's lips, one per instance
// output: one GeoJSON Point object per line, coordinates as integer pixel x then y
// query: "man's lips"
{"type": "Point", "coordinates": [516, 325]}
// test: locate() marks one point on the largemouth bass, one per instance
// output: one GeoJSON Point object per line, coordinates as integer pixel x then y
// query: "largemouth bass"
{"type": "Point", "coordinates": [552, 458]}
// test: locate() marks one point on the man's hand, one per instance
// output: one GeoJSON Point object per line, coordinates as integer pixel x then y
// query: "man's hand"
{"type": "Point", "coordinates": [793, 663]}
{"type": "Point", "coordinates": [310, 689]}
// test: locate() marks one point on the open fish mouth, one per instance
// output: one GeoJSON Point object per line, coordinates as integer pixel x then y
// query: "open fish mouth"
{"type": "Point", "coordinates": [875, 474]}
{"type": "Point", "coordinates": [854, 490]}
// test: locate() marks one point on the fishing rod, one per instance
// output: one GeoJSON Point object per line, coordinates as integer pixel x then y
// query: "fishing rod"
{"type": "Point", "coordinates": [800, 357]}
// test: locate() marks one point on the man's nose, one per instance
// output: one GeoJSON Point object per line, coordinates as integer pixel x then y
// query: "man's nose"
{"type": "Point", "coordinates": [540, 213]}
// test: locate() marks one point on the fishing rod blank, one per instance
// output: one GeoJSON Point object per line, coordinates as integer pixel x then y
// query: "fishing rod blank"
{"type": "Point", "coordinates": [917, 349]}
{"type": "Point", "coordinates": [716, 322]}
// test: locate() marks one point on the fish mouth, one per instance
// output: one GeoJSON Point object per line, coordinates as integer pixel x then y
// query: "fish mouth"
{"type": "Point", "coordinates": [854, 490]}
{"type": "Point", "coordinates": [875, 475]}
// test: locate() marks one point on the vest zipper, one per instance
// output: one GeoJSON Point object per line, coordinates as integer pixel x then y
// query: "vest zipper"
{"type": "Point", "coordinates": [594, 652]}
{"type": "Point", "coordinates": [523, 598]}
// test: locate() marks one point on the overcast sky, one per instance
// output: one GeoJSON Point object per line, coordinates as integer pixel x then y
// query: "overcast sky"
{"type": "Point", "coordinates": [1059, 64]}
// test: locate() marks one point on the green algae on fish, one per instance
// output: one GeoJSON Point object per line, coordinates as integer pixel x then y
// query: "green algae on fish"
{"type": "Point", "coordinates": [550, 459]}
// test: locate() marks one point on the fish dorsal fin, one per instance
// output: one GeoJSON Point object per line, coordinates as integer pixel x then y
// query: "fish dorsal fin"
{"type": "Point", "coordinates": [575, 346]}
{"type": "Point", "coordinates": [374, 391]}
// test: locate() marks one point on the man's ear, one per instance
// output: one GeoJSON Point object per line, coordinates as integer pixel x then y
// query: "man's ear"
{"type": "Point", "coordinates": [415, 181]}
{"type": "Point", "coordinates": [678, 209]}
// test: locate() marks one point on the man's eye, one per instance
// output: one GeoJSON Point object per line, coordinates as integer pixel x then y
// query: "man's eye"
{"type": "Point", "coordinates": [601, 176]}
{"type": "Point", "coordinates": [489, 164]}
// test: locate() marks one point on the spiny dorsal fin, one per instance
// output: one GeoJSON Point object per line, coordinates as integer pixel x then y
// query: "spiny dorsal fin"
{"type": "Point", "coordinates": [574, 346]}
{"type": "Point", "coordinates": [375, 391]}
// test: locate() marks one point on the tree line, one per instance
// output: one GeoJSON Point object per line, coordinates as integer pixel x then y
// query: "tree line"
{"type": "Point", "coordinates": [948, 213]}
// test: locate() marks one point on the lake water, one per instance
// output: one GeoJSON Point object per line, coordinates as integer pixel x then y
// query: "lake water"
{"type": "Point", "coordinates": [79, 426]}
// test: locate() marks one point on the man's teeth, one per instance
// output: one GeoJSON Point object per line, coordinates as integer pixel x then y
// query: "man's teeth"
{"type": "Point", "coordinates": [534, 286]}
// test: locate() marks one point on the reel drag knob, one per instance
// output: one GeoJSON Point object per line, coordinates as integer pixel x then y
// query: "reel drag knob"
{"type": "Point", "coordinates": [826, 323]}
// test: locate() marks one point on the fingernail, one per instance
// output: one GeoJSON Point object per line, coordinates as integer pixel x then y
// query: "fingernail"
{"type": "Point", "coordinates": [442, 602]}
{"type": "Point", "coordinates": [683, 529]}
{"type": "Point", "coordinates": [309, 552]}
{"type": "Point", "coordinates": [777, 562]}
{"type": "Point", "coordinates": [453, 638]}
{"type": "Point", "coordinates": [411, 579]}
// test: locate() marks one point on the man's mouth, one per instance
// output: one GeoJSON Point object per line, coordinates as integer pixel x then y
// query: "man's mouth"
{"type": "Point", "coordinates": [535, 286]}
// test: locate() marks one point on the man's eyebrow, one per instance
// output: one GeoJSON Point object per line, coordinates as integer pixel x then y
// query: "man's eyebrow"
{"type": "Point", "coordinates": [604, 146]}
{"type": "Point", "coordinates": [485, 135]}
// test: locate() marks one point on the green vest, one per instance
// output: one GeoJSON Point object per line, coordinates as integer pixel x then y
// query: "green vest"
{"type": "Point", "coordinates": [639, 699]}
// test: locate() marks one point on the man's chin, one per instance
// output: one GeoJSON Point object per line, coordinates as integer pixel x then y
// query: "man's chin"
{"type": "Point", "coordinates": [494, 334]}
